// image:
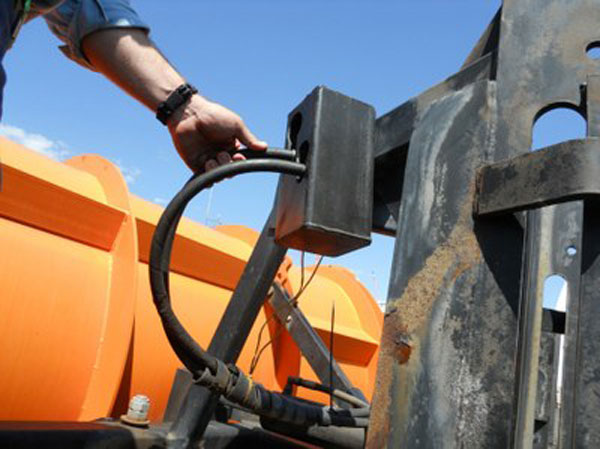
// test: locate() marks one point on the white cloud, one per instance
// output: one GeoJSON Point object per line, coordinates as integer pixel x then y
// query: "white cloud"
{"type": "Point", "coordinates": [159, 200]}
{"type": "Point", "coordinates": [129, 173]}
{"type": "Point", "coordinates": [54, 149]}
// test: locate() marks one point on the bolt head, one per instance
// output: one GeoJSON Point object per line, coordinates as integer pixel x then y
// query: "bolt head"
{"type": "Point", "coordinates": [137, 412]}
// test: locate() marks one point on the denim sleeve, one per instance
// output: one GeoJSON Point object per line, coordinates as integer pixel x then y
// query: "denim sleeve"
{"type": "Point", "coordinates": [75, 19]}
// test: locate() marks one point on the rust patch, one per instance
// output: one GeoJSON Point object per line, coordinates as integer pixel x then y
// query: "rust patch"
{"type": "Point", "coordinates": [391, 311]}
{"type": "Point", "coordinates": [376, 440]}
{"type": "Point", "coordinates": [407, 325]}
{"type": "Point", "coordinates": [379, 421]}
{"type": "Point", "coordinates": [458, 254]}
{"type": "Point", "coordinates": [402, 348]}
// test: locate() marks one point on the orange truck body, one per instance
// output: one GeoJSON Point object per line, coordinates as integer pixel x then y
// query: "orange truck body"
{"type": "Point", "coordinates": [79, 334]}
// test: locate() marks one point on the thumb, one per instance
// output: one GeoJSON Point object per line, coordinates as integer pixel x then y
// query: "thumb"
{"type": "Point", "coordinates": [250, 140]}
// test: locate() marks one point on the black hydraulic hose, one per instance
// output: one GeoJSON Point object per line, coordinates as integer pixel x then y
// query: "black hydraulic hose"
{"type": "Point", "coordinates": [239, 388]}
{"type": "Point", "coordinates": [207, 369]}
{"type": "Point", "coordinates": [270, 153]}
{"type": "Point", "coordinates": [186, 348]}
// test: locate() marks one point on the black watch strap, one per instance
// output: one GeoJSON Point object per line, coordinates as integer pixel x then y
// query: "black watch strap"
{"type": "Point", "coordinates": [174, 101]}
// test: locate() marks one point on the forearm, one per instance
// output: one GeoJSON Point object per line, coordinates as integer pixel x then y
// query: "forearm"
{"type": "Point", "coordinates": [202, 131]}
{"type": "Point", "coordinates": [129, 59]}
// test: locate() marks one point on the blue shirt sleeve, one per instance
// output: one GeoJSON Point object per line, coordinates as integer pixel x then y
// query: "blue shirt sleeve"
{"type": "Point", "coordinates": [75, 19]}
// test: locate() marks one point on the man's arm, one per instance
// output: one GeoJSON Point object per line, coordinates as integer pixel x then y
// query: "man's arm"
{"type": "Point", "coordinates": [109, 37]}
{"type": "Point", "coordinates": [199, 128]}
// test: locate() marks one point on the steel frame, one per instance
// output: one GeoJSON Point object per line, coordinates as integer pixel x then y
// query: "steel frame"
{"type": "Point", "coordinates": [467, 358]}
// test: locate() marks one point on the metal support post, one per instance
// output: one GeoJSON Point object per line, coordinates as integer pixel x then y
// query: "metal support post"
{"type": "Point", "coordinates": [231, 334]}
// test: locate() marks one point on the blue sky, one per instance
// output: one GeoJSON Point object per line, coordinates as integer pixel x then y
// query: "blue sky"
{"type": "Point", "coordinates": [259, 58]}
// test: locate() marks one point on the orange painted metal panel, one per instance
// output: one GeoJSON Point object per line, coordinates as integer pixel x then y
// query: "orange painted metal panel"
{"type": "Point", "coordinates": [53, 293]}
{"type": "Point", "coordinates": [59, 174]}
{"type": "Point", "coordinates": [42, 204]}
{"type": "Point", "coordinates": [117, 317]}
{"type": "Point", "coordinates": [68, 263]}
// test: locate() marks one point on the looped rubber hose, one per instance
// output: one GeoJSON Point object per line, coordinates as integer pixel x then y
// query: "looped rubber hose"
{"type": "Point", "coordinates": [188, 351]}
{"type": "Point", "coordinates": [207, 369]}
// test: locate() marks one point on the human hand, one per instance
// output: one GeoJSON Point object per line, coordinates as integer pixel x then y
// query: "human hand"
{"type": "Point", "coordinates": [204, 133]}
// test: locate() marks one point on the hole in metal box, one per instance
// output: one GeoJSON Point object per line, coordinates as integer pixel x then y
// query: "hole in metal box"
{"type": "Point", "coordinates": [593, 50]}
{"type": "Point", "coordinates": [294, 130]}
{"type": "Point", "coordinates": [303, 150]}
{"type": "Point", "coordinates": [303, 155]}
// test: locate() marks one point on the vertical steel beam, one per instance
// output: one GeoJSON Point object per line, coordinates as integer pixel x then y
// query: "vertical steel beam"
{"type": "Point", "coordinates": [530, 317]}
{"type": "Point", "coordinates": [586, 365]}
{"type": "Point", "coordinates": [445, 375]}
{"type": "Point", "coordinates": [551, 234]}
{"type": "Point", "coordinates": [543, 65]}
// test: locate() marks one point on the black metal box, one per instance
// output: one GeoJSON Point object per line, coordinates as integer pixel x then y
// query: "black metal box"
{"type": "Point", "coordinates": [328, 211]}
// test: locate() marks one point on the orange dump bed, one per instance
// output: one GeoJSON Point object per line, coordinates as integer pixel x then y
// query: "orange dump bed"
{"type": "Point", "coordinates": [79, 333]}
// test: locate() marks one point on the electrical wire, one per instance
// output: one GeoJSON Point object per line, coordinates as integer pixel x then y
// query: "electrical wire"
{"type": "Point", "coordinates": [302, 270]}
{"type": "Point", "coordinates": [254, 361]}
{"type": "Point", "coordinates": [294, 302]}
{"type": "Point", "coordinates": [331, 354]}
{"type": "Point", "coordinates": [259, 354]}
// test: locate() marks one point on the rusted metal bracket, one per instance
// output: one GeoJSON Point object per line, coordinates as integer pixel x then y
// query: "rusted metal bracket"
{"type": "Point", "coordinates": [310, 344]}
{"type": "Point", "coordinates": [563, 172]}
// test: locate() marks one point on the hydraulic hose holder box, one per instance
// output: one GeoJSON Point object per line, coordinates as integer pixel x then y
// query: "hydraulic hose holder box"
{"type": "Point", "coordinates": [329, 210]}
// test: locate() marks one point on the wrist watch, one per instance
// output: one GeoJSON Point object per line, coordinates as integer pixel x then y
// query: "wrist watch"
{"type": "Point", "coordinates": [174, 101]}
